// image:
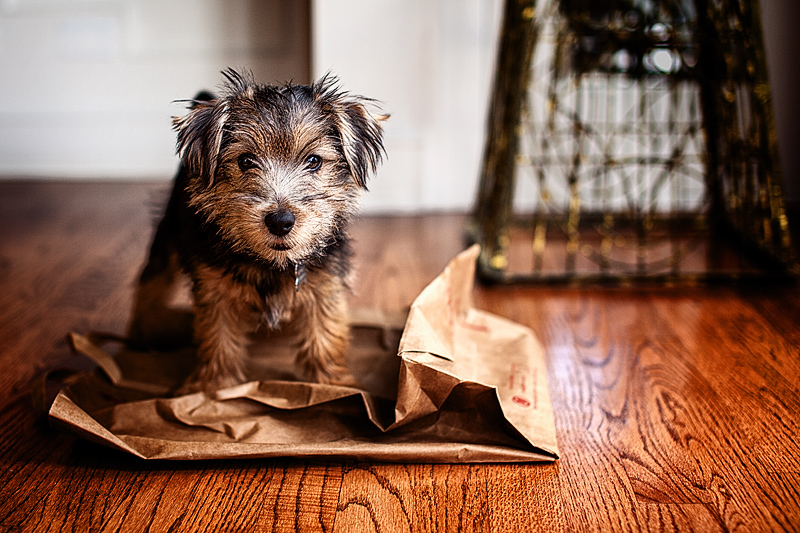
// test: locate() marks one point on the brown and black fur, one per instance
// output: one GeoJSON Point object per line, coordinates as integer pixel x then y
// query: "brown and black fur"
{"type": "Point", "coordinates": [269, 177]}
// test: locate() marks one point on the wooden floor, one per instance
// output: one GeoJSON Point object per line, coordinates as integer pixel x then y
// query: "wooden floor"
{"type": "Point", "coordinates": [675, 409]}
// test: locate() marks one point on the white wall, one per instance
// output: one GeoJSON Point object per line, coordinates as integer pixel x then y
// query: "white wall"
{"type": "Point", "coordinates": [87, 85]}
{"type": "Point", "coordinates": [430, 63]}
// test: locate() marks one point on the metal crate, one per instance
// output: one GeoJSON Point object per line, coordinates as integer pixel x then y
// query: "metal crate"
{"type": "Point", "coordinates": [631, 140]}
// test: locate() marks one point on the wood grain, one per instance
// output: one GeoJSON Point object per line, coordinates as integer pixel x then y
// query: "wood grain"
{"type": "Point", "coordinates": [676, 409]}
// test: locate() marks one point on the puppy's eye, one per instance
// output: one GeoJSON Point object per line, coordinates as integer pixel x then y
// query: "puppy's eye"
{"type": "Point", "coordinates": [313, 162]}
{"type": "Point", "coordinates": [247, 162]}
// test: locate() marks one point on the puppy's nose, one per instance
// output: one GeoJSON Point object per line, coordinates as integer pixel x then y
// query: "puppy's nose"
{"type": "Point", "coordinates": [279, 222]}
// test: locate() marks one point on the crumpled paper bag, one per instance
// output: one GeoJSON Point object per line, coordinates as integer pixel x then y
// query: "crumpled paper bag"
{"type": "Point", "coordinates": [453, 385]}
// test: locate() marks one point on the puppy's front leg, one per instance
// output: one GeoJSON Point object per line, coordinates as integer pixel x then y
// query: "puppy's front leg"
{"type": "Point", "coordinates": [323, 331]}
{"type": "Point", "coordinates": [221, 331]}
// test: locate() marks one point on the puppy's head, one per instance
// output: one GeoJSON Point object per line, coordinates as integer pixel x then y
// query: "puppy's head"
{"type": "Point", "coordinates": [278, 169]}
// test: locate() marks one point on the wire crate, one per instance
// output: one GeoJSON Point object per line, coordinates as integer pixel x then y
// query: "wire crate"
{"type": "Point", "coordinates": [631, 140]}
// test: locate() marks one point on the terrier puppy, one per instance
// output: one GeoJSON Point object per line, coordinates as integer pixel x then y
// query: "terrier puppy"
{"type": "Point", "coordinates": [269, 177]}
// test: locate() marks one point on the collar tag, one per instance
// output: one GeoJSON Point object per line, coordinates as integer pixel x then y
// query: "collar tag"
{"type": "Point", "coordinates": [299, 275]}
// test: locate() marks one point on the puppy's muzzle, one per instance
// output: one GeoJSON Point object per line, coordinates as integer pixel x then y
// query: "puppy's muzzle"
{"type": "Point", "coordinates": [279, 222]}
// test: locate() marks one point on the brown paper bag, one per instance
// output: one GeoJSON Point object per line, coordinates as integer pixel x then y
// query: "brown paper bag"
{"type": "Point", "coordinates": [456, 384]}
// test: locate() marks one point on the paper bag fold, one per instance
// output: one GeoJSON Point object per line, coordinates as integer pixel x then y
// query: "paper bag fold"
{"type": "Point", "coordinates": [455, 385]}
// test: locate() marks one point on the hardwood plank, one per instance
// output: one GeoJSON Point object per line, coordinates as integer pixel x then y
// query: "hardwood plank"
{"type": "Point", "coordinates": [676, 409]}
{"type": "Point", "coordinates": [414, 498]}
{"type": "Point", "coordinates": [652, 421]}
{"type": "Point", "coordinates": [108, 492]}
{"type": "Point", "coordinates": [524, 498]}
{"type": "Point", "coordinates": [372, 499]}
{"type": "Point", "coordinates": [679, 518]}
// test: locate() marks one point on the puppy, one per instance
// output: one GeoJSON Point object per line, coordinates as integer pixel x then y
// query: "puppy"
{"type": "Point", "coordinates": [257, 218]}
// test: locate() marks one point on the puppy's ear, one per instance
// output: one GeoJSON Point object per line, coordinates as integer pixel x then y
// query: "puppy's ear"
{"type": "Point", "coordinates": [200, 136]}
{"type": "Point", "coordinates": [362, 140]}
{"type": "Point", "coordinates": [360, 131]}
